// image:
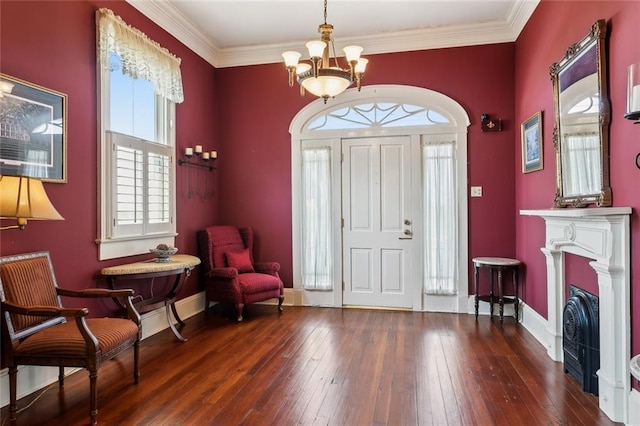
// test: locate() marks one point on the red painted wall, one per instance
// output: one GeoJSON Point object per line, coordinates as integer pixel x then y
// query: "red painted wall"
{"type": "Point", "coordinates": [244, 113]}
{"type": "Point", "coordinates": [53, 44]}
{"type": "Point", "coordinates": [256, 107]}
{"type": "Point", "coordinates": [553, 27]}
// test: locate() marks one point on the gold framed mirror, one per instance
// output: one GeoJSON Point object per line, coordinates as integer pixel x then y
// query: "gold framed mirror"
{"type": "Point", "coordinates": [582, 115]}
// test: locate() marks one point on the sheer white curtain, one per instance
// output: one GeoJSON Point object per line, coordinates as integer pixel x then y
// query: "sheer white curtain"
{"type": "Point", "coordinates": [440, 230]}
{"type": "Point", "coordinates": [580, 152]}
{"type": "Point", "coordinates": [141, 57]}
{"type": "Point", "coordinates": [317, 256]}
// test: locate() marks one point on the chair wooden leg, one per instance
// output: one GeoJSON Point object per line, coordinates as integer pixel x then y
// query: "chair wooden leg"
{"type": "Point", "coordinates": [280, 300]}
{"type": "Point", "coordinates": [136, 357]}
{"type": "Point", "coordinates": [93, 390]}
{"type": "Point", "coordinates": [61, 377]}
{"type": "Point", "coordinates": [239, 308]}
{"type": "Point", "coordinates": [13, 408]}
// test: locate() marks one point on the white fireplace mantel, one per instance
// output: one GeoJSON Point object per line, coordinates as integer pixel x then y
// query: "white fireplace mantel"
{"type": "Point", "coordinates": [601, 234]}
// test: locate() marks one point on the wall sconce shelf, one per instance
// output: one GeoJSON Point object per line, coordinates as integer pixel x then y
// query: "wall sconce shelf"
{"type": "Point", "coordinates": [197, 159]}
{"type": "Point", "coordinates": [190, 163]}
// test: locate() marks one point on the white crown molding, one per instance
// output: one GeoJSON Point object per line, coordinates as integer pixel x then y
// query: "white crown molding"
{"type": "Point", "coordinates": [519, 15]}
{"type": "Point", "coordinates": [174, 22]}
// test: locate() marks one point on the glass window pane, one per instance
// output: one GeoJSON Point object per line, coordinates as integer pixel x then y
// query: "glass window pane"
{"type": "Point", "coordinates": [377, 115]}
{"type": "Point", "coordinates": [133, 104]}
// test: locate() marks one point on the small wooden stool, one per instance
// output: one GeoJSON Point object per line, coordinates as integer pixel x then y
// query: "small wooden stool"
{"type": "Point", "coordinates": [498, 264]}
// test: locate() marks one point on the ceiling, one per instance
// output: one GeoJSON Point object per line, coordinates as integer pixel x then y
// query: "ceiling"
{"type": "Point", "coordinates": [246, 32]}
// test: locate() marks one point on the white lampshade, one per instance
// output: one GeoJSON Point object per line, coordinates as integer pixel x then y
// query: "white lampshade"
{"type": "Point", "coordinates": [361, 65]}
{"type": "Point", "coordinates": [352, 52]}
{"type": "Point", "coordinates": [324, 86]}
{"type": "Point", "coordinates": [24, 198]}
{"type": "Point", "coordinates": [291, 58]}
{"type": "Point", "coordinates": [316, 48]}
{"type": "Point", "coordinates": [302, 68]}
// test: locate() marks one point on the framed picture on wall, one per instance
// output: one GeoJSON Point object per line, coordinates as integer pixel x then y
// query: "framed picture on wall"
{"type": "Point", "coordinates": [33, 130]}
{"type": "Point", "coordinates": [532, 143]}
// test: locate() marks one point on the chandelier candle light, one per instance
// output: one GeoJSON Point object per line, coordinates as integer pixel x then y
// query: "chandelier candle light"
{"type": "Point", "coordinates": [633, 94]}
{"type": "Point", "coordinates": [319, 77]}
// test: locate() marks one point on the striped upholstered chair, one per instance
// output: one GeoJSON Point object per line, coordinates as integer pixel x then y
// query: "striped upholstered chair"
{"type": "Point", "coordinates": [37, 332]}
{"type": "Point", "coordinates": [230, 275]}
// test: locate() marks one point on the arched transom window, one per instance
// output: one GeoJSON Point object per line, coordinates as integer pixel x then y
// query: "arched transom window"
{"type": "Point", "coordinates": [378, 114]}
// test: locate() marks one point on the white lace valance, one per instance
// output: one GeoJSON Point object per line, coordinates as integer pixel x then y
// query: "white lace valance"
{"type": "Point", "coordinates": [141, 57]}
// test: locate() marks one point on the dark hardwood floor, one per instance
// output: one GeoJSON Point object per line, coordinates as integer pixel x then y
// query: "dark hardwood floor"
{"type": "Point", "coordinates": [323, 366]}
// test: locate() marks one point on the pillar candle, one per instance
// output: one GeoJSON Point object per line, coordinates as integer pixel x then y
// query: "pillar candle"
{"type": "Point", "coordinates": [188, 152]}
{"type": "Point", "coordinates": [634, 102]}
{"type": "Point", "coordinates": [205, 155]}
{"type": "Point", "coordinates": [198, 149]}
{"type": "Point", "coordinates": [214, 154]}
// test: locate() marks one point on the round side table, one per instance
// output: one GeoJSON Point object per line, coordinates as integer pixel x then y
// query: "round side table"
{"type": "Point", "coordinates": [499, 265]}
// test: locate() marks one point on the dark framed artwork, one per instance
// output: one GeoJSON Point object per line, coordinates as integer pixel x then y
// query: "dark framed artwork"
{"type": "Point", "coordinates": [532, 143]}
{"type": "Point", "coordinates": [33, 130]}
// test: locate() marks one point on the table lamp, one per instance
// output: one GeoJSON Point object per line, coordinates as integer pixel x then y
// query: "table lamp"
{"type": "Point", "coordinates": [24, 198]}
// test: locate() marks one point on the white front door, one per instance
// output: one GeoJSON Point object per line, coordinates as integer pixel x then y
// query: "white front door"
{"type": "Point", "coordinates": [377, 231]}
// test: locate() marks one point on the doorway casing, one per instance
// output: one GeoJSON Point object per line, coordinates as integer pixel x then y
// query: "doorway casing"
{"type": "Point", "coordinates": [455, 126]}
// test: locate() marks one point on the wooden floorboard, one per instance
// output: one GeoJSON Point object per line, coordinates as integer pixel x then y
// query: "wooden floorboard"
{"type": "Point", "coordinates": [325, 366]}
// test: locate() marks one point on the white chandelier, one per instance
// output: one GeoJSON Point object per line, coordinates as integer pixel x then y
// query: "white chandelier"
{"type": "Point", "coordinates": [319, 77]}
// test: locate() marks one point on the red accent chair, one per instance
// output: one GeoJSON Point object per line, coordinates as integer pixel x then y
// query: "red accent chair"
{"type": "Point", "coordinates": [229, 273]}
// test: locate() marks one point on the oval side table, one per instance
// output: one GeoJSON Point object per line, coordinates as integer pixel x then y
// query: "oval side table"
{"type": "Point", "coordinates": [499, 265]}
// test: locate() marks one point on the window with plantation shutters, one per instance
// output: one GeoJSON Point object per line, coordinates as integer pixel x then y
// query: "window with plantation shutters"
{"type": "Point", "coordinates": [142, 187]}
{"type": "Point", "coordinates": [139, 84]}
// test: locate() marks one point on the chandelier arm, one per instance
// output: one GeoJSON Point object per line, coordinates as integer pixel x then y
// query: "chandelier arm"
{"type": "Point", "coordinates": [335, 57]}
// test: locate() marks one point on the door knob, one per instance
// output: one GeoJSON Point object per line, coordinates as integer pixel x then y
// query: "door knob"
{"type": "Point", "coordinates": [408, 234]}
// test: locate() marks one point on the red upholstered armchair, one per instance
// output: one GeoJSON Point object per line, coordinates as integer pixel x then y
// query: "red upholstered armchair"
{"type": "Point", "coordinates": [229, 273]}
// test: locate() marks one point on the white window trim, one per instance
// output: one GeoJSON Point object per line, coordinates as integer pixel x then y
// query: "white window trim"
{"type": "Point", "coordinates": [108, 246]}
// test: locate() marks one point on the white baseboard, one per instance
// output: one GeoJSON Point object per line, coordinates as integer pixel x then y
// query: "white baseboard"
{"type": "Point", "coordinates": [634, 408]}
{"type": "Point", "coordinates": [155, 321]}
{"type": "Point", "coordinates": [33, 378]}
{"type": "Point", "coordinates": [535, 324]}
{"type": "Point", "coordinates": [292, 297]}
{"type": "Point", "coordinates": [485, 309]}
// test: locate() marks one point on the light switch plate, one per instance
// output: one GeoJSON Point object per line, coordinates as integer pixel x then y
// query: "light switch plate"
{"type": "Point", "coordinates": [476, 191]}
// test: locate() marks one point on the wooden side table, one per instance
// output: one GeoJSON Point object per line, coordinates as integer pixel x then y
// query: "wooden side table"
{"type": "Point", "coordinates": [179, 265]}
{"type": "Point", "coordinates": [498, 264]}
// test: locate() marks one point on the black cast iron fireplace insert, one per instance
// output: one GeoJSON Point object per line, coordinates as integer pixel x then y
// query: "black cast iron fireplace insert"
{"type": "Point", "coordinates": [581, 338]}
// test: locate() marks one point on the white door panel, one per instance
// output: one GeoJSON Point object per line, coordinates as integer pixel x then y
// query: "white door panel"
{"type": "Point", "coordinates": [377, 222]}
{"type": "Point", "coordinates": [393, 281]}
{"type": "Point", "coordinates": [361, 270]}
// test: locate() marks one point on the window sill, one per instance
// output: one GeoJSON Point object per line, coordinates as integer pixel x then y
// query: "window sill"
{"type": "Point", "coordinates": [123, 247]}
